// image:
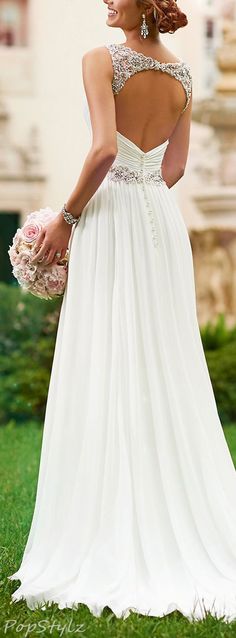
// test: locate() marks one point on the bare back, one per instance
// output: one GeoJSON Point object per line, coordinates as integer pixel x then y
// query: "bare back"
{"type": "Point", "coordinates": [146, 98]}
{"type": "Point", "coordinates": [151, 102]}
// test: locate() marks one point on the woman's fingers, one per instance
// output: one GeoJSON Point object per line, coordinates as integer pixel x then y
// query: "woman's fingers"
{"type": "Point", "coordinates": [46, 244]}
{"type": "Point", "coordinates": [49, 254]}
{"type": "Point", "coordinates": [46, 253]}
{"type": "Point", "coordinates": [38, 242]}
{"type": "Point", "coordinates": [39, 248]}
{"type": "Point", "coordinates": [41, 252]}
{"type": "Point", "coordinates": [50, 257]}
{"type": "Point", "coordinates": [57, 258]}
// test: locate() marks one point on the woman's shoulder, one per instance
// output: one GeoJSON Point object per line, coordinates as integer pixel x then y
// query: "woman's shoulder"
{"type": "Point", "coordinates": [165, 55]}
{"type": "Point", "coordinates": [98, 61]}
{"type": "Point", "coordinates": [95, 53]}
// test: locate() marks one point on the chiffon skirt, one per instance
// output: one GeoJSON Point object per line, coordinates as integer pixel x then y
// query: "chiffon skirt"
{"type": "Point", "coordinates": [136, 495]}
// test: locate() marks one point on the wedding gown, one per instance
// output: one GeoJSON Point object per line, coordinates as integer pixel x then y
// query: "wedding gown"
{"type": "Point", "coordinates": [136, 497]}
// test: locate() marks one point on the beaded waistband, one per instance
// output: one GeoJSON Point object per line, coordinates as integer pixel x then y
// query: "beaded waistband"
{"type": "Point", "coordinates": [119, 172]}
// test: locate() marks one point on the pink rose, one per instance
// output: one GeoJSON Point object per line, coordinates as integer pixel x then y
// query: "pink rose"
{"type": "Point", "coordinates": [62, 275]}
{"type": "Point", "coordinates": [53, 285]}
{"type": "Point", "coordinates": [31, 231]}
{"type": "Point", "coordinates": [27, 276]}
{"type": "Point", "coordinates": [25, 257]}
{"type": "Point", "coordinates": [51, 280]}
{"type": "Point", "coordinates": [14, 256]}
{"type": "Point", "coordinates": [17, 236]}
{"type": "Point", "coordinates": [41, 280]}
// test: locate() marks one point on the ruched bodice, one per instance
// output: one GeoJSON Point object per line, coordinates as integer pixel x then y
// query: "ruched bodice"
{"type": "Point", "coordinates": [131, 155]}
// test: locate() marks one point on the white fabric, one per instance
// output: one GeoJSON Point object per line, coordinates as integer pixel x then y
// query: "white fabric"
{"type": "Point", "coordinates": [136, 495]}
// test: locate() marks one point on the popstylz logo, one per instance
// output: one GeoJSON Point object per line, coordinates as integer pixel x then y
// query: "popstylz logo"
{"type": "Point", "coordinates": [27, 629]}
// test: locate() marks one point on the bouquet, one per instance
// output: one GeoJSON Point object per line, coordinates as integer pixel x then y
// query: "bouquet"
{"type": "Point", "coordinates": [44, 281]}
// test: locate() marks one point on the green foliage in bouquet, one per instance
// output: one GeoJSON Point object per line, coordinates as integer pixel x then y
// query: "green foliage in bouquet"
{"type": "Point", "coordinates": [28, 328]}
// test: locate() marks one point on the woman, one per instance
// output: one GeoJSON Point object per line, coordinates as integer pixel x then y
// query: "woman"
{"type": "Point", "coordinates": [136, 497]}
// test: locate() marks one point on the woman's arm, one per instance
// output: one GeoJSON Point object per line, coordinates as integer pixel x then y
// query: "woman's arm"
{"type": "Point", "coordinates": [97, 77]}
{"type": "Point", "coordinates": [175, 158]}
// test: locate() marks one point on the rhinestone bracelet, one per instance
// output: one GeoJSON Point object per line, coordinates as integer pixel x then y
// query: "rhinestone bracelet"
{"type": "Point", "coordinates": [69, 218]}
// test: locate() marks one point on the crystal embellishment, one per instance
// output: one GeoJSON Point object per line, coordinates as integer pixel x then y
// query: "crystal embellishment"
{"type": "Point", "coordinates": [119, 172]}
{"type": "Point", "coordinates": [122, 173]}
{"type": "Point", "coordinates": [126, 62]}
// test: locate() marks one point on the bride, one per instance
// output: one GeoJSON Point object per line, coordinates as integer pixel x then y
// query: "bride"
{"type": "Point", "coordinates": [136, 497]}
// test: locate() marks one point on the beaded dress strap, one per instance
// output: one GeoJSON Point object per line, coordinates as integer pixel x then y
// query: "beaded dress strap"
{"type": "Point", "coordinates": [126, 62]}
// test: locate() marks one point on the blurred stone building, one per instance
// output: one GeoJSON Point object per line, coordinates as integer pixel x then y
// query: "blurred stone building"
{"type": "Point", "coordinates": [43, 135]}
{"type": "Point", "coordinates": [214, 191]}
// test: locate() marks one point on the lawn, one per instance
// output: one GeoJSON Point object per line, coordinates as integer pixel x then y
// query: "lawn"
{"type": "Point", "coordinates": [20, 450]}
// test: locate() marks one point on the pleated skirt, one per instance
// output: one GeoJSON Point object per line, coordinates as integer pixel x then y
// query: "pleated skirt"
{"type": "Point", "coordinates": [136, 495]}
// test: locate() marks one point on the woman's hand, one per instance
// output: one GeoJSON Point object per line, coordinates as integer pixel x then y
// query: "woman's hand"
{"type": "Point", "coordinates": [52, 239]}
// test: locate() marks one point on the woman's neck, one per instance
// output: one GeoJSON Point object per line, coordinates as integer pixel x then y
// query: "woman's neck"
{"type": "Point", "coordinates": [134, 39]}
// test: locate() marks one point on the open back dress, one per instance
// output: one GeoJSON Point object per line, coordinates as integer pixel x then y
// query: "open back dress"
{"type": "Point", "coordinates": [136, 496]}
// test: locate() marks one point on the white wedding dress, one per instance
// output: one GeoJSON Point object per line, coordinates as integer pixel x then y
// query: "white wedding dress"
{"type": "Point", "coordinates": [136, 497]}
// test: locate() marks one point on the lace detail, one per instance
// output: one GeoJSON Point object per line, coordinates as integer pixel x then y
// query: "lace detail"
{"type": "Point", "coordinates": [126, 62]}
{"type": "Point", "coordinates": [120, 172]}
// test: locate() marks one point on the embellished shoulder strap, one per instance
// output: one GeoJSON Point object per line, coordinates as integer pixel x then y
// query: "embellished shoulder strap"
{"type": "Point", "coordinates": [126, 62]}
{"type": "Point", "coordinates": [182, 73]}
{"type": "Point", "coordinates": [119, 76]}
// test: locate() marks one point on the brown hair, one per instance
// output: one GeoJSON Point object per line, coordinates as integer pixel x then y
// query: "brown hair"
{"type": "Point", "coordinates": [169, 17]}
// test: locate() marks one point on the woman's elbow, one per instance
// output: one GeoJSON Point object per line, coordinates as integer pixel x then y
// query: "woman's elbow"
{"type": "Point", "coordinates": [177, 170]}
{"type": "Point", "coordinates": [105, 153]}
{"type": "Point", "coordinates": [172, 175]}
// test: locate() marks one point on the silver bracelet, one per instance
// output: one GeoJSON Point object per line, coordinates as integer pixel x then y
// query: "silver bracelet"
{"type": "Point", "coordinates": [69, 218]}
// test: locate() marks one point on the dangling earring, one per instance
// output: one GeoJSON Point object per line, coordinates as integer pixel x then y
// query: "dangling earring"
{"type": "Point", "coordinates": [144, 31]}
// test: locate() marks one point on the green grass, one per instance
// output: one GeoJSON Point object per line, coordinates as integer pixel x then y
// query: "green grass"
{"type": "Point", "coordinates": [20, 452]}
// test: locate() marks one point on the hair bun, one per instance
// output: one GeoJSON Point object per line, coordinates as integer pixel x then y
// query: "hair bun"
{"type": "Point", "coordinates": [169, 17]}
